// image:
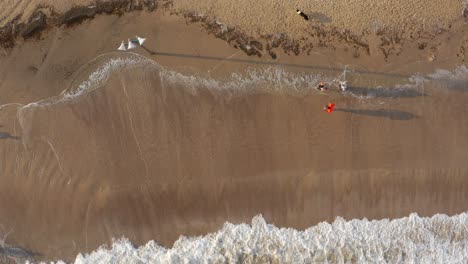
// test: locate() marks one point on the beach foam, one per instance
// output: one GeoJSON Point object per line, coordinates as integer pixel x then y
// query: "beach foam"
{"type": "Point", "coordinates": [436, 239]}
{"type": "Point", "coordinates": [255, 80]}
{"type": "Point", "coordinates": [102, 74]}
{"type": "Point", "coordinates": [270, 79]}
{"type": "Point", "coordinates": [460, 72]}
{"type": "Point", "coordinates": [455, 79]}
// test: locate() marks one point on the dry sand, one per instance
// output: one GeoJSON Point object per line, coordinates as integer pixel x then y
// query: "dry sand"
{"type": "Point", "coordinates": [151, 160]}
{"type": "Point", "coordinates": [23, 9]}
{"type": "Point", "coordinates": [267, 17]}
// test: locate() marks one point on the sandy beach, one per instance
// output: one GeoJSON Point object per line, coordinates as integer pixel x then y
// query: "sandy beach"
{"type": "Point", "coordinates": [217, 118]}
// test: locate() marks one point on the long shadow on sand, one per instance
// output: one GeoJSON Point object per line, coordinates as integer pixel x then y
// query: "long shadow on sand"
{"type": "Point", "coordinates": [391, 114]}
{"type": "Point", "coordinates": [384, 92]}
{"type": "Point", "coordinates": [321, 68]}
{"type": "Point", "coordinates": [5, 135]}
{"type": "Point", "coordinates": [454, 85]}
{"type": "Point", "coordinates": [320, 17]}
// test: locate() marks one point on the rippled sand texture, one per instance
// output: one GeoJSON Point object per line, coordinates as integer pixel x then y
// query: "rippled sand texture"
{"type": "Point", "coordinates": [150, 156]}
{"type": "Point", "coordinates": [269, 17]}
{"type": "Point", "coordinates": [23, 9]}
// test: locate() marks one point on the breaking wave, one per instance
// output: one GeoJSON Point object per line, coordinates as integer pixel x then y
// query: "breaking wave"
{"type": "Point", "coordinates": [413, 239]}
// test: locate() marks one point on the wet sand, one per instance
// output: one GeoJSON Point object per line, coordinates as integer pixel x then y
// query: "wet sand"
{"type": "Point", "coordinates": [147, 159]}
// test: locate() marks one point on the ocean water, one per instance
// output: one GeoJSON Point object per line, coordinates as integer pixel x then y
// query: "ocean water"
{"type": "Point", "coordinates": [412, 239]}
{"type": "Point", "coordinates": [268, 79]}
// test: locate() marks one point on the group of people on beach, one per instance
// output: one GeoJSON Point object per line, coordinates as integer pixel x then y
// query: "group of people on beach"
{"type": "Point", "coordinates": [322, 86]}
{"type": "Point", "coordinates": [343, 85]}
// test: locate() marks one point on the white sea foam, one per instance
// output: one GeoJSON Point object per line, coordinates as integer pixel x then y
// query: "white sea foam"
{"type": "Point", "coordinates": [269, 79]}
{"type": "Point", "coordinates": [96, 73]}
{"type": "Point", "coordinates": [456, 79]}
{"type": "Point", "coordinates": [459, 73]}
{"type": "Point", "coordinates": [413, 239]}
{"type": "Point", "coordinates": [254, 80]}
{"type": "Point", "coordinates": [102, 74]}
{"type": "Point", "coordinates": [99, 75]}
{"type": "Point", "coordinates": [409, 87]}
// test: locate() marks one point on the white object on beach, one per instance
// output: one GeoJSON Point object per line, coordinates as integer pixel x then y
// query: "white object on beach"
{"type": "Point", "coordinates": [122, 47]}
{"type": "Point", "coordinates": [141, 40]}
{"type": "Point", "coordinates": [131, 45]}
{"type": "Point", "coordinates": [344, 86]}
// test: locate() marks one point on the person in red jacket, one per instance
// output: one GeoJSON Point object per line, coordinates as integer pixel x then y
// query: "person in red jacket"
{"type": "Point", "coordinates": [329, 108]}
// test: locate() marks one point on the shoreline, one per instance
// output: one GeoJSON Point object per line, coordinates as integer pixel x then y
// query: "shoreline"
{"type": "Point", "coordinates": [46, 17]}
{"type": "Point", "coordinates": [381, 46]}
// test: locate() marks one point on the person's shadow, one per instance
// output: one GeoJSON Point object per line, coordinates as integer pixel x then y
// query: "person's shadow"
{"type": "Point", "coordinates": [319, 17]}
{"type": "Point", "coordinates": [148, 50]}
{"type": "Point", "coordinates": [391, 114]}
{"type": "Point", "coordinates": [6, 135]}
{"type": "Point", "coordinates": [384, 92]}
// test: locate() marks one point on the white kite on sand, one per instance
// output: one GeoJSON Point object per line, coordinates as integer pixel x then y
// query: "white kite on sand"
{"type": "Point", "coordinates": [122, 47]}
{"type": "Point", "coordinates": [131, 44]}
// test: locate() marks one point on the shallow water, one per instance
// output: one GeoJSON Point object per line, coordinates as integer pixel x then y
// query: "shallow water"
{"type": "Point", "coordinates": [132, 149]}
